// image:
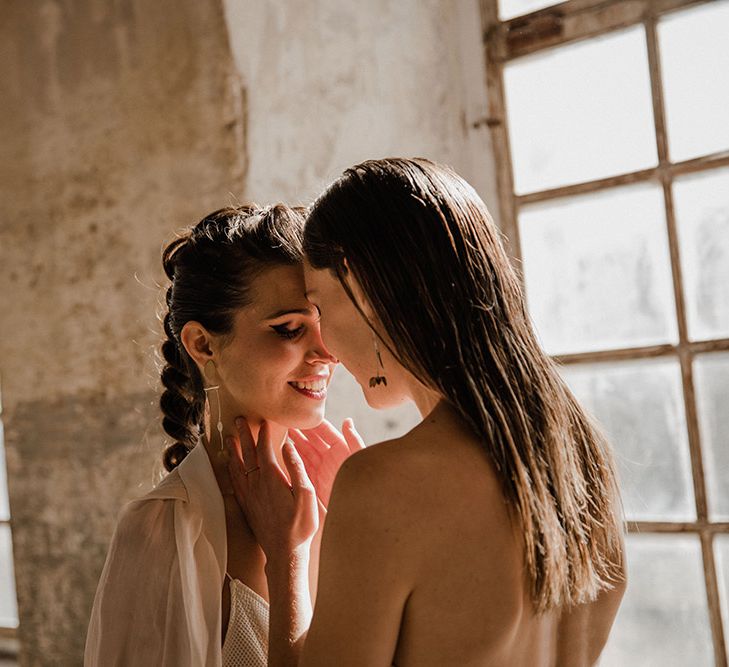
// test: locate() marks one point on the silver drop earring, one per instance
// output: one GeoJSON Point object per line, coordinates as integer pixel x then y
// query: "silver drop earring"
{"type": "Point", "coordinates": [377, 379]}
{"type": "Point", "coordinates": [215, 387]}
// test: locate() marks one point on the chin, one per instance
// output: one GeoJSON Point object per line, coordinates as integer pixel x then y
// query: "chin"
{"type": "Point", "coordinates": [306, 420]}
{"type": "Point", "coordinates": [379, 398]}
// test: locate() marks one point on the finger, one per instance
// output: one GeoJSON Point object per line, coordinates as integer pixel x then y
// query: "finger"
{"type": "Point", "coordinates": [236, 469]}
{"type": "Point", "coordinates": [311, 458]}
{"type": "Point", "coordinates": [264, 447]}
{"type": "Point", "coordinates": [295, 466]}
{"type": "Point", "coordinates": [328, 433]}
{"type": "Point", "coordinates": [235, 457]}
{"type": "Point", "coordinates": [307, 441]}
{"type": "Point", "coordinates": [247, 443]}
{"type": "Point", "coordinates": [354, 439]}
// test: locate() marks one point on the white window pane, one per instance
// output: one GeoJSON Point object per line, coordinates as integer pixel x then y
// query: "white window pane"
{"type": "Point", "coordinates": [580, 112]}
{"type": "Point", "coordinates": [640, 407]}
{"type": "Point", "coordinates": [510, 8]}
{"type": "Point", "coordinates": [4, 504]}
{"type": "Point", "coordinates": [663, 620]}
{"type": "Point", "coordinates": [8, 601]}
{"type": "Point", "coordinates": [711, 380]}
{"type": "Point", "coordinates": [694, 51]}
{"type": "Point", "coordinates": [721, 556]}
{"type": "Point", "coordinates": [701, 203]}
{"type": "Point", "coordinates": [597, 270]}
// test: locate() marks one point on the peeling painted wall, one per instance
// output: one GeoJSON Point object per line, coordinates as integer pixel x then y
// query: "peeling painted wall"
{"type": "Point", "coordinates": [123, 121]}
{"type": "Point", "coordinates": [333, 83]}
{"type": "Point", "coordinates": [119, 123]}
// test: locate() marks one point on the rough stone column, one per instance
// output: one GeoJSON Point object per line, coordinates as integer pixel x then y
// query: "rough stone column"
{"type": "Point", "coordinates": [119, 123]}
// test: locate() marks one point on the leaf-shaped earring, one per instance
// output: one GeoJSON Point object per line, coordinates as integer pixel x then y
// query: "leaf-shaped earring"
{"type": "Point", "coordinates": [378, 379]}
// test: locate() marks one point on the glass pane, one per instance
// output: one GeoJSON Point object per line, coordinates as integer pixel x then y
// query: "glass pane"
{"type": "Point", "coordinates": [597, 270]}
{"type": "Point", "coordinates": [694, 53]}
{"type": "Point", "coordinates": [508, 9]}
{"type": "Point", "coordinates": [664, 619]}
{"type": "Point", "coordinates": [701, 203]}
{"type": "Point", "coordinates": [721, 555]}
{"type": "Point", "coordinates": [568, 117]}
{"type": "Point", "coordinates": [8, 603]}
{"type": "Point", "coordinates": [4, 504]}
{"type": "Point", "coordinates": [640, 407]}
{"type": "Point", "coordinates": [711, 380]}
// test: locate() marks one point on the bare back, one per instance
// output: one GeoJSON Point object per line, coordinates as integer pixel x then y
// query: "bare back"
{"type": "Point", "coordinates": [470, 603]}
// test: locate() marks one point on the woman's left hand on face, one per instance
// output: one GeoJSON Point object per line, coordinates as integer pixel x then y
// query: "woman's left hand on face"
{"type": "Point", "coordinates": [323, 449]}
{"type": "Point", "coordinates": [283, 517]}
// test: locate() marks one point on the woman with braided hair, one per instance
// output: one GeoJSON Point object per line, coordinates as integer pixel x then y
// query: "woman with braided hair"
{"type": "Point", "coordinates": [184, 582]}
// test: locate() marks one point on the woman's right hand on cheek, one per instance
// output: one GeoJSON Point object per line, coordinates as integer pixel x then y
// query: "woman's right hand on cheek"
{"type": "Point", "coordinates": [283, 517]}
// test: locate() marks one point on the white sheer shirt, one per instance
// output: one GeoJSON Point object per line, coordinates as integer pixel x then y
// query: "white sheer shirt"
{"type": "Point", "coordinates": [158, 600]}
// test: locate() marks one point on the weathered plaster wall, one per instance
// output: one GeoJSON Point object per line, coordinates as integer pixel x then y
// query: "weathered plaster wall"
{"type": "Point", "coordinates": [333, 83]}
{"type": "Point", "coordinates": [119, 122]}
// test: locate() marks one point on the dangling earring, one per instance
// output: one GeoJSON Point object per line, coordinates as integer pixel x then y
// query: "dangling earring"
{"type": "Point", "coordinates": [377, 379]}
{"type": "Point", "coordinates": [209, 371]}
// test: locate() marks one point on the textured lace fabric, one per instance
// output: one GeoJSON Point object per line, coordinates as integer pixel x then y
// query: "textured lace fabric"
{"type": "Point", "coordinates": [246, 639]}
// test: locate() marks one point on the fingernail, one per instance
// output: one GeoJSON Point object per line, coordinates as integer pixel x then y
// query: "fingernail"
{"type": "Point", "coordinates": [240, 422]}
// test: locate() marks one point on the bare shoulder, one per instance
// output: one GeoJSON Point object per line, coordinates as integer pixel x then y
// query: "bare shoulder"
{"type": "Point", "coordinates": [434, 472]}
{"type": "Point", "coordinates": [373, 478]}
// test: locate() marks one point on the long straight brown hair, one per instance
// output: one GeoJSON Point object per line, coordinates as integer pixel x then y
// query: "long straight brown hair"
{"type": "Point", "coordinates": [421, 244]}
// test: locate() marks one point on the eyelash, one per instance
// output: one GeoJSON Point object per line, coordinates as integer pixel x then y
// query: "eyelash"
{"type": "Point", "coordinates": [284, 332]}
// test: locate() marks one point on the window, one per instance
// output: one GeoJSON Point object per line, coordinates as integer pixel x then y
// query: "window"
{"type": "Point", "coordinates": [8, 602]}
{"type": "Point", "coordinates": [609, 122]}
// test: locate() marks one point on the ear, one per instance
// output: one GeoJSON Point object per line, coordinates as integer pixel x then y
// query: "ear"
{"type": "Point", "coordinates": [197, 341]}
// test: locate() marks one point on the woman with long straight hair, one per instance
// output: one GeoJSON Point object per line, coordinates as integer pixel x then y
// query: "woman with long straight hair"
{"type": "Point", "coordinates": [490, 534]}
{"type": "Point", "coordinates": [184, 584]}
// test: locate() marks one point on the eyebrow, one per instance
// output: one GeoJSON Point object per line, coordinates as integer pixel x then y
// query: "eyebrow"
{"type": "Point", "coordinates": [288, 311]}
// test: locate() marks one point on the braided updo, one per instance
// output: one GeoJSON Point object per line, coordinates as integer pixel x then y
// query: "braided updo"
{"type": "Point", "coordinates": [210, 268]}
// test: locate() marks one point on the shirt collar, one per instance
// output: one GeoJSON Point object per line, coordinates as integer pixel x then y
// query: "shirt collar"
{"type": "Point", "coordinates": [204, 495]}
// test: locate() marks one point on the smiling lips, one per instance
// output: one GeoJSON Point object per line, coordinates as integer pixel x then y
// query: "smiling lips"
{"type": "Point", "coordinates": [315, 388]}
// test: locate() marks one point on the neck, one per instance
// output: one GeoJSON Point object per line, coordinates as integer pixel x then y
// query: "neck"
{"type": "Point", "coordinates": [425, 399]}
{"type": "Point", "coordinates": [212, 439]}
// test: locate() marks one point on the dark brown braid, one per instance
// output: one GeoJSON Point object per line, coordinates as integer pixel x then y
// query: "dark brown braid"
{"type": "Point", "coordinates": [210, 268]}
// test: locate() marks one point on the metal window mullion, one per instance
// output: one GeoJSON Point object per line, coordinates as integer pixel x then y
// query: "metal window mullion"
{"type": "Point", "coordinates": [702, 527]}
{"type": "Point", "coordinates": [644, 352]}
{"type": "Point", "coordinates": [703, 163]}
{"type": "Point", "coordinates": [499, 127]}
{"type": "Point", "coordinates": [684, 351]}
{"type": "Point", "coordinates": [577, 20]}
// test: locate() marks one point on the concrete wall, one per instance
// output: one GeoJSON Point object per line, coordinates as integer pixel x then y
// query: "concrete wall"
{"type": "Point", "coordinates": [119, 122]}
{"type": "Point", "coordinates": [122, 121]}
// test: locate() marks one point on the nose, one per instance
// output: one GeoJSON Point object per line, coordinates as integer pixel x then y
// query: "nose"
{"type": "Point", "coordinates": [318, 352]}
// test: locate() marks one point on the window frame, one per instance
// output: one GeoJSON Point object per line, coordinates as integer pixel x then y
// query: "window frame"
{"type": "Point", "coordinates": [557, 25]}
{"type": "Point", "coordinates": [9, 646]}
